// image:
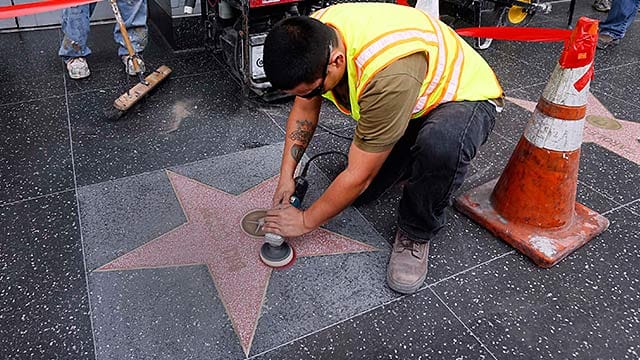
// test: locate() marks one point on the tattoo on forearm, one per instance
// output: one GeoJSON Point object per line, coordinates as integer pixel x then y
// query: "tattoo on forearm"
{"type": "Point", "coordinates": [296, 152]}
{"type": "Point", "coordinates": [303, 133]}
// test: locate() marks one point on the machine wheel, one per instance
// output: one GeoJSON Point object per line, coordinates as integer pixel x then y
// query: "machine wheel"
{"type": "Point", "coordinates": [490, 15]}
{"type": "Point", "coordinates": [482, 43]}
{"type": "Point", "coordinates": [519, 16]}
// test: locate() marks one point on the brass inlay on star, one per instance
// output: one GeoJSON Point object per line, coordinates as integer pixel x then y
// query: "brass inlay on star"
{"type": "Point", "coordinates": [252, 223]}
{"type": "Point", "coordinates": [604, 122]}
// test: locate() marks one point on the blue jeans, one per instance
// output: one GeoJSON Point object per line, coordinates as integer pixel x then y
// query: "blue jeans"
{"type": "Point", "coordinates": [75, 26]}
{"type": "Point", "coordinates": [434, 155]}
{"type": "Point", "coordinates": [620, 17]}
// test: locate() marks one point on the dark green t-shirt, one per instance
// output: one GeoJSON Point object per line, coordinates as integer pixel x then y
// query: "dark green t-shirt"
{"type": "Point", "coordinates": [387, 103]}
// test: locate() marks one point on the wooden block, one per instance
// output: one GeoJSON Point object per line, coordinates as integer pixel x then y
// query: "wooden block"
{"type": "Point", "coordinates": [126, 100]}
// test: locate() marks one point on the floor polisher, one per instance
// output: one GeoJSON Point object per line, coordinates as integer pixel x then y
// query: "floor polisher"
{"type": "Point", "coordinates": [276, 252]}
{"type": "Point", "coordinates": [145, 85]}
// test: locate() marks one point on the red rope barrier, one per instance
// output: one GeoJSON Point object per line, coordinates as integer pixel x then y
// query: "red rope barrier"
{"type": "Point", "coordinates": [39, 7]}
{"type": "Point", "coordinates": [516, 34]}
{"type": "Point", "coordinates": [496, 33]}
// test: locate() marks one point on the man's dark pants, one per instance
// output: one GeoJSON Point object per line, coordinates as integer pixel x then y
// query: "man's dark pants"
{"type": "Point", "coordinates": [435, 151]}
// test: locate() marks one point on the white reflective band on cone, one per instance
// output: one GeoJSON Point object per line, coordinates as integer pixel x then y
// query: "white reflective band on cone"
{"type": "Point", "coordinates": [560, 87]}
{"type": "Point", "coordinates": [553, 134]}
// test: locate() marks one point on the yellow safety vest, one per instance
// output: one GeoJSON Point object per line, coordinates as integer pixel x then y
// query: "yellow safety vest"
{"type": "Point", "coordinates": [376, 34]}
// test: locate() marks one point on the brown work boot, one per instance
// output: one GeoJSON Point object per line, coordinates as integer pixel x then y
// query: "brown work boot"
{"type": "Point", "coordinates": [408, 264]}
{"type": "Point", "coordinates": [606, 41]}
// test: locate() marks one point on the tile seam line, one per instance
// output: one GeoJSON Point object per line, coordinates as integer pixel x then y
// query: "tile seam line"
{"type": "Point", "coordinates": [619, 205]}
{"type": "Point", "coordinates": [525, 87]}
{"type": "Point", "coordinates": [622, 206]}
{"type": "Point", "coordinates": [635, 106]}
{"type": "Point", "coordinates": [273, 120]}
{"type": "Point", "coordinates": [77, 199]}
{"type": "Point", "coordinates": [118, 86]}
{"type": "Point", "coordinates": [633, 211]}
{"type": "Point", "coordinates": [537, 66]}
{"type": "Point", "coordinates": [510, 252]}
{"type": "Point", "coordinates": [522, 88]}
{"type": "Point", "coordinates": [615, 67]}
{"type": "Point", "coordinates": [32, 100]}
{"type": "Point", "coordinates": [36, 197]}
{"type": "Point", "coordinates": [591, 90]}
{"type": "Point", "coordinates": [330, 326]}
{"type": "Point", "coordinates": [169, 167]}
{"type": "Point", "coordinates": [463, 324]}
{"type": "Point", "coordinates": [321, 133]}
{"type": "Point", "coordinates": [379, 306]}
{"type": "Point", "coordinates": [503, 137]}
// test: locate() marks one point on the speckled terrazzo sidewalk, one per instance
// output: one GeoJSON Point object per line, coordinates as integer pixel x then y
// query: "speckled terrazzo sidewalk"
{"type": "Point", "coordinates": [118, 240]}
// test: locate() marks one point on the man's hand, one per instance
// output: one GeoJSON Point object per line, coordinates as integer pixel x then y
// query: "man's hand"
{"type": "Point", "coordinates": [284, 190]}
{"type": "Point", "coordinates": [285, 220]}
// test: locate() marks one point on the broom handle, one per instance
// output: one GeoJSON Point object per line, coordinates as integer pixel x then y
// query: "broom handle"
{"type": "Point", "coordinates": [125, 35]}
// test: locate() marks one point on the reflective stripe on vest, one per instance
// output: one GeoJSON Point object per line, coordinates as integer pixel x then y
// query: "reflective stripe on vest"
{"type": "Point", "coordinates": [381, 44]}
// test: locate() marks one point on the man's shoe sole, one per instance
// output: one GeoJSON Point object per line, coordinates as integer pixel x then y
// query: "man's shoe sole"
{"type": "Point", "coordinates": [406, 289]}
{"type": "Point", "coordinates": [78, 77]}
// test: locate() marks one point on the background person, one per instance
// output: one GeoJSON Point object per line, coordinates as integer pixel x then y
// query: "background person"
{"type": "Point", "coordinates": [75, 26]}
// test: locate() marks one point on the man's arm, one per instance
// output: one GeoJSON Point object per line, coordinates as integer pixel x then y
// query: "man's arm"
{"type": "Point", "coordinates": [301, 125]}
{"type": "Point", "coordinates": [386, 106]}
{"type": "Point", "coordinates": [363, 166]}
{"type": "Point", "coordinates": [348, 185]}
{"type": "Point", "coordinates": [385, 109]}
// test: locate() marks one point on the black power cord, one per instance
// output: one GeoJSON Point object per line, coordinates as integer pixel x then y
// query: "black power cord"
{"type": "Point", "coordinates": [301, 183]}
{"type": "Point", "coordinates": [303, 174]}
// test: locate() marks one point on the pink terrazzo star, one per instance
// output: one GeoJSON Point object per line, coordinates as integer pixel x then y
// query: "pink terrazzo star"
{"type": "Point", "coordinates": [212, 235]}
{"type": "Point", "coordinates": [624, 141]}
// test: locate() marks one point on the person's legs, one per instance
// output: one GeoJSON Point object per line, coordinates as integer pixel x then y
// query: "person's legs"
{"type": "Point", "coordinates": [75, 27]}
{"type": "Point", "coordinates": [620, 17]}
{"type": "Point", "coordinates": [447, 140]}
{"type": "Point", "coordinates": [134, 14]}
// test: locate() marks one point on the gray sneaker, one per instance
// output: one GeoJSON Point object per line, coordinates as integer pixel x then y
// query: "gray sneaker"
{"type": "Point", "coordinates": [602, 5]}
{"type": "Point", "coordinates": [408, 264]}
{"type": "Point", "coordinates": [128, 64]}
{"type": "Point", "coordinates": [78, 68]}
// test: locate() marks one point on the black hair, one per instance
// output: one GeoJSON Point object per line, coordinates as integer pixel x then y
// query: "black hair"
{"type": "Point", "coordinates": [295, 51]}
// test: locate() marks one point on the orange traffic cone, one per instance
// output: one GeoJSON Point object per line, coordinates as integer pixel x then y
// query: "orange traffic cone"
{"type": "Point", "coordinates": [532, 206]}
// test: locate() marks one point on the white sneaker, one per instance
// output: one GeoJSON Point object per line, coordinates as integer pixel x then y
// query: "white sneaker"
{"type": "Point", "coordinates": [128, 64]}
{"type": "Point", "coordinates": [78, 68]}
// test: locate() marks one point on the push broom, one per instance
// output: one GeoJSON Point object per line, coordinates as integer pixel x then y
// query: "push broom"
{"type": "Point", "coordinates": [144, 86]}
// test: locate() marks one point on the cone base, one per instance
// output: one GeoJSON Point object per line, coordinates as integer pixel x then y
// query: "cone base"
{"type": "Point", "coordinates": [545, 247]}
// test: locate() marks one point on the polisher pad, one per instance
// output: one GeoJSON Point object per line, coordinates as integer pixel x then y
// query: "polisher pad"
{"type": "Point", "coordinates": [277, 256]}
